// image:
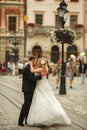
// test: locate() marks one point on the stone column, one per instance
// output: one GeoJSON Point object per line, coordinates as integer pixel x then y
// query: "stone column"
{"type": "Point", "coordinates": [2, 50]}
{"type": "Point", "coordinates": [3, 21]}
{"type": "Point", "coordinates": [21, 31]}
{"type": "Point", "coordinates": [3, 17]}
{"type": "Point", "coordinates": [2, 39]}
{"type": "Point", "coordinates": [21, 21]}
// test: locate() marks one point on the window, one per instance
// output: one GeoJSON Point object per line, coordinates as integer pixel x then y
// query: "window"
{"type": "Point", "coordinates": [12, 23]}
{"type": "Point", "coordinates": [73, 21]}
{"type": "Point", "coordinates": [39, 19]}
{"type": "Point", "coordinates": [57, 21]}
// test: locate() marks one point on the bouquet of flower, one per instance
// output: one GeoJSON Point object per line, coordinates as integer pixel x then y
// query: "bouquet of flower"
{"type": "Point", "coordinates": [63, 35]}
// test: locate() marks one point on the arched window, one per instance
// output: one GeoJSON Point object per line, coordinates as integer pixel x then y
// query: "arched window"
{"type": "Point", "coordinates": [72, 50]}
{"type": "Point", "coordinates": [37, 51]}
{"type": "Point", "coordinates": [54, 54]}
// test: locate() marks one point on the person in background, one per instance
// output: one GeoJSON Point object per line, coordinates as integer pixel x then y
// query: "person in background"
{"type": "Point", "coordinates": [58, 73]}
{"type": "Point", "coordinates": [20, 69]}
{"type": "Point", "coordinates": [70, 71]}
{"type": "Point", "coordinates": [82, 70]}
{"type": "Point", "coordinates": [53, 69]}
{"type": "Point", "coordinates": [0, 65]}
{"type": "Point", "coordinates": [13, 68]}
{"type": "Point", "coordinates": [77, 66]}
{"type": "Point", "coordinates": [9, 67]}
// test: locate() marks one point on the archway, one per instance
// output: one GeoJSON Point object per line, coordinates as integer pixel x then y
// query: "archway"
{"type": "Point", "coordinates": [72, 50]}
{"type": "Point", "coordinates": [54, 54]}
{"type": "Point", "coordinates": [37, 51]}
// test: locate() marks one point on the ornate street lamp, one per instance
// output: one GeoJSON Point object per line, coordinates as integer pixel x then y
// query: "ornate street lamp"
{"type": "Point", "coordinates": [62, 13]}
{"type": "Point", "coordinates": [15, 41]}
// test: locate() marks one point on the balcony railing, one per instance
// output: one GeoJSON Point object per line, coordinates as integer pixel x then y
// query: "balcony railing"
{"type": "Point", "coordinates": [44, 30]}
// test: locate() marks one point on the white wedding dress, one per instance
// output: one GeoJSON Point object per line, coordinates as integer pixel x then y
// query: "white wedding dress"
{"type": "Point", "coordinates": [45, 109]}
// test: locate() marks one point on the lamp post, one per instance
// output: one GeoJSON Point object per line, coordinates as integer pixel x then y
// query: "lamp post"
{"type": "Point", "coordinates": [62, 14]}
{"type": "Point", "coordinates": [25, 25]}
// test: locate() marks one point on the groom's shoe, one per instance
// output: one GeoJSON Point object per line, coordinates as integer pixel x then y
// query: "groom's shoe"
{"type": "Point", "coordinates": [20, 124]}
{"type": "Point", "coordinates": [25, 122]}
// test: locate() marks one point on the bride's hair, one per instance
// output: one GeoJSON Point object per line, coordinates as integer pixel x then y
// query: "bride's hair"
{"type": "Point", "coordinates": [43, 64]}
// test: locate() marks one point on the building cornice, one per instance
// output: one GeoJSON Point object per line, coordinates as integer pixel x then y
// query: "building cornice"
{"type": "Point", "coordinates": [6, 3]}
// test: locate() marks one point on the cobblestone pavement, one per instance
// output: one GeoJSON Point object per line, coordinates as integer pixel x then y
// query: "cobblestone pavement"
{"type": "Point", "coordinates": [7, 115]}
{"type": "Point", "coordinates": [75, 99]}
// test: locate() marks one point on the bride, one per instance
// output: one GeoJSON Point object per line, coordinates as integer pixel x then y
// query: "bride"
{"type": "Point", "coordinates": [45, 109]}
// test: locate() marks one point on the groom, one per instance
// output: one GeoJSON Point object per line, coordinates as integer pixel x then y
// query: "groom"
{"type": "Point", "coordinates": [28, 87]}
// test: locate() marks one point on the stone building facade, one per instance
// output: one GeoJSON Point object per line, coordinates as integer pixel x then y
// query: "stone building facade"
{"type": "Point", "coordinates": [85, 28]}
{"type": "Point", "coordinates": [11, 30]}
{"type": "Point", "coordinates": [43, 17]}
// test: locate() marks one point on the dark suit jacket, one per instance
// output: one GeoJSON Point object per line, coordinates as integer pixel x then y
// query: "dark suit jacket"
{"type": "Point", "coordinates": [80, 68]}
{"type": "Point", "coordinates": [29, 80]}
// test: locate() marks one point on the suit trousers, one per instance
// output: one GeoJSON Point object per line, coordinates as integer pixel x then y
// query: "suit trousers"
{"type": "Point", "coordinates": [25, 107]}
{"type": "Point", "coordinates": [83, 75]}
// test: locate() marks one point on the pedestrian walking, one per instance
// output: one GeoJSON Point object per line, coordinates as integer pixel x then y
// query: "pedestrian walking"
{"type": "Point", "coordinates": [20, 68]}
{"type": "Point", "coordinates": [13, 68]}
{"type": "Point", "coordinates": [82, 70]}
{"type": "Point", "coordinates": [9, 67]}
{"type": "Point", "coordinates": [57, 70]}
{"type": "Point", "coordinates": [70, 71]}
